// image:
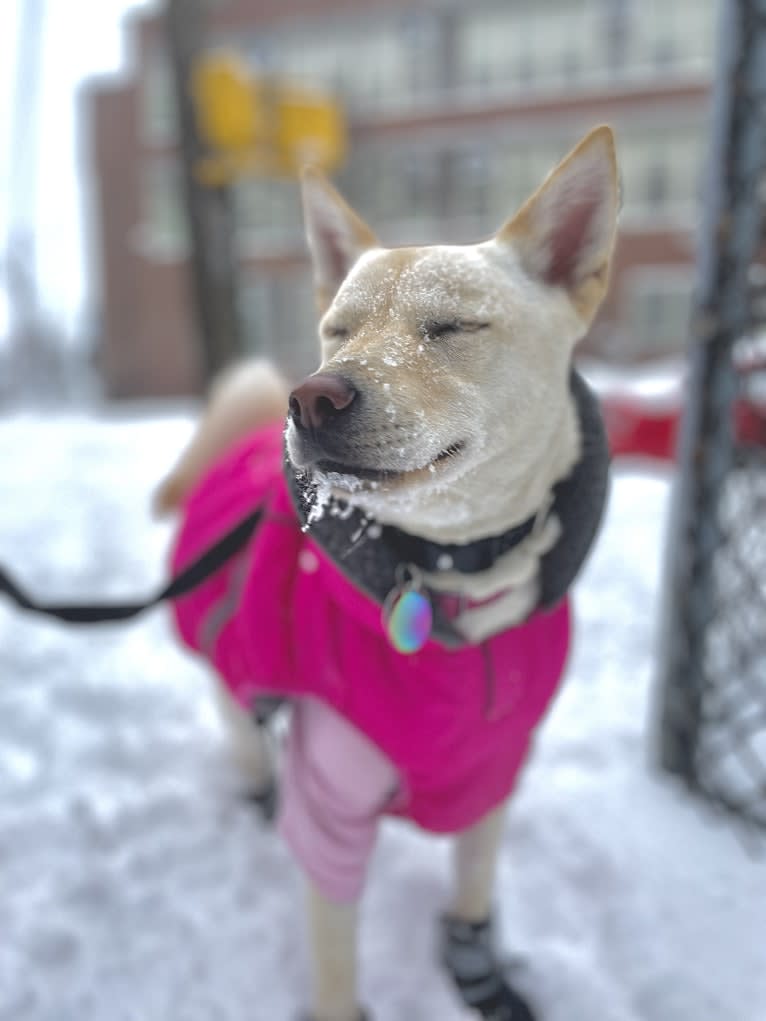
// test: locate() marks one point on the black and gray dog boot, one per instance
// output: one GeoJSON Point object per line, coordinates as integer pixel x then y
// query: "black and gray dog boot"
{"type": "Point", "coordinates": [265, 800]}
{"type": "Point", "coordinates": [468, 954]}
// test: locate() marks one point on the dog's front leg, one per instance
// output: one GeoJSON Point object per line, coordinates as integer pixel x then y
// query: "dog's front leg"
{"type": "Point", "coordinates": [467, 938]}
{"type": "Point", "coordinates": [333, 931]}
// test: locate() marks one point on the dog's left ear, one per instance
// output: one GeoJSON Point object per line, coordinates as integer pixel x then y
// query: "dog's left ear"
{"type": "Point", "coordinates": [336, 235]}
{"type": "Point", "coordinates": [564, 234]}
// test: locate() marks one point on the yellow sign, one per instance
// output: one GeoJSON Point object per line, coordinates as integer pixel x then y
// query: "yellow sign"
{"type": "Point", "coordinates": [262, 125]}
{"type": "Point", "coordinates": [227, 115]}
{"type": "Point", "coordinates": [309, 129]}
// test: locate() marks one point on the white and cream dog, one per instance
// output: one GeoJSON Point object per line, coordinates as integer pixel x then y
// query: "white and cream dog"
{"type": "Point", "coordinates": [445, 414]}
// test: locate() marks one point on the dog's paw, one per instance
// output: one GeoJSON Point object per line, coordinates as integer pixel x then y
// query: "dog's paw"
{"type": "Point", "coordinates": [265, 800]}
{"type": "Point", "coordinates": [504, 1005]}
{"type": "Point", "coordinates": [468, 954]}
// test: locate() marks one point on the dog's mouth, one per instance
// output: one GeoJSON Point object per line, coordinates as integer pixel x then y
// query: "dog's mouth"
{"type": "Point", "coordinates": [326, 466]}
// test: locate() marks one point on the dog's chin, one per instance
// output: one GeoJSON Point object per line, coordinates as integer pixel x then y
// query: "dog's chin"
{"type": "Point", "coordinates": [345, 477]}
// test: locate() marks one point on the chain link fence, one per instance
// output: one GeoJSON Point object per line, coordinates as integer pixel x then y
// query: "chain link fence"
{"type": "Point", "coordinates": [713, 657]}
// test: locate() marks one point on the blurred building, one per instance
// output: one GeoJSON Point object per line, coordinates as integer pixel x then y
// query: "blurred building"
{"type": "Point", "coordinates": [456, 113]}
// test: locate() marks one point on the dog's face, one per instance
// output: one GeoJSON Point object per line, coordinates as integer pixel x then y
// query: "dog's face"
{"type": "Point", "coordinates": [442, 401]}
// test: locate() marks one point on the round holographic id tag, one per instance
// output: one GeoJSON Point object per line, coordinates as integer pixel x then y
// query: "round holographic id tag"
{"type": "Point", "coordinates": [407, 613]}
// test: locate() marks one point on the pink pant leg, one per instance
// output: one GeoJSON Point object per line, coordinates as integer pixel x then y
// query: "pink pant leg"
{"type": "Point", "coordinates": [336, 783]}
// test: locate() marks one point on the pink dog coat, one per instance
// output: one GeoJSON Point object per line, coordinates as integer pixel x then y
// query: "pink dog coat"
{"type": "Point", "coordinates": [282, 620]}
{"type": "Point", "coordinates": [438, 736]}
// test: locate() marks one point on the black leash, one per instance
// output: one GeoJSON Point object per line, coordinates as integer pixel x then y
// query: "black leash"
{"type": "Point", "coordinates": [203, 567]}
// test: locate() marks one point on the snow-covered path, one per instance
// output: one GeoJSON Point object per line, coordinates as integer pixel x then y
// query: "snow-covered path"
{"type": "Point", "coordinates": [136, 885]}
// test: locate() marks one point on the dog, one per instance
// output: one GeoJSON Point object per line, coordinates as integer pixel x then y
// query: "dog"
{"type": "Point", "coordinates": [425, 509]}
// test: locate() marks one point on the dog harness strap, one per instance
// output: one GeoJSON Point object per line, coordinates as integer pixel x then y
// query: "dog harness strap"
{"type": "Point", "coordinates": [213, 558]}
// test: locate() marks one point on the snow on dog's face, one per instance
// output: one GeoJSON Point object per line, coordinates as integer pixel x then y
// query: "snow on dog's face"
{"type": "Point", "coordinates": [441, 403]}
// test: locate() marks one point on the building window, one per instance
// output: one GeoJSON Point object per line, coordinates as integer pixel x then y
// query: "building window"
{"type": "Point", "coordinates": [370, 62]}
{"type": "Point", "coordinates": [279, 318]}
{"type": "Point", "coordinates": [266, 209]}
{"type": "Point", "coordinates": [421, 185]}
{"type": "Point", "coordinates": [163, 232]}
{"type": "Point", "coordinates": [372, 182]}
{"type": "Point", "coordinates": [420, 35]}
{"type": "Point", "coordinates": [670, 37]}
{"type": "Point", "coordinates": [158, 101]}
{"type": "Point", "coordinates": [659, 305]}
{"type": "Point", "coordinates": [490, 46]}
{"type": "Point", "coordinates": [402, 185]}
{"type": "Point", "coordinates": [524, 45]}
{"type": "Point", "coordinates": [469, 179]}
{"type": "Point", "coordinates": [656, 185]}
{"type": "Point", "coordinates": [570, 66]}
{"type": "Point", "coordinates": [660, 171]}
{"type": "Point", "coordinates": [258, 314]}
{"type": "Point", "coordinates": [615, 19]}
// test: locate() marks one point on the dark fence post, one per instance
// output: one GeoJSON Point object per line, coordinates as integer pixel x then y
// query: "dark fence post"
{"type": "Point", "coordinates": [712, 698]}
{"type": "Point", "coordinates": [210, 214]}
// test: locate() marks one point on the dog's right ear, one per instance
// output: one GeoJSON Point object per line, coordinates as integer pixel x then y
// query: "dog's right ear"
{"type": "Point", "coordinates": [336, 235]}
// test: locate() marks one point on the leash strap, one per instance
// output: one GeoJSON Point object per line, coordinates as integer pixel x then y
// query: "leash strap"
{"type": "Point", "coordinates": [191, 577]}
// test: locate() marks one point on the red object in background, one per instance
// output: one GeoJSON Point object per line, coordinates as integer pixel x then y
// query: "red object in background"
{"type": "Point", "coordinates": [637, 428]}
{"type": "Point", "coordinates": [640, 428]}
{"type": "Point", "coordinates": [750, 421]}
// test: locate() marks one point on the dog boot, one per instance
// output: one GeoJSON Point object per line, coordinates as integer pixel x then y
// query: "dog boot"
{"type": "Point", "coordinates": [467, 952]}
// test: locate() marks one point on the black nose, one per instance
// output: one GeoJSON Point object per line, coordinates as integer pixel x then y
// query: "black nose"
{"type": "Point", "coordinates": [319, 399]}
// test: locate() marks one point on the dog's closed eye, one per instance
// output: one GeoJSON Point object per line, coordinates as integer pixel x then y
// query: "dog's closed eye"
{"type": "Point", "coordinates": [434, 329]}
{"type": "Point", "coordinates": [335, 332]}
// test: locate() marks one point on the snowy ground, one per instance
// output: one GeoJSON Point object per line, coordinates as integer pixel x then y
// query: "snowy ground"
{"type": "Point", "coordinates": [135, 884]}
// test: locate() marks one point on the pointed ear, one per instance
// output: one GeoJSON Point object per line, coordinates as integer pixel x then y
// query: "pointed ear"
{"type": "Point", "coordinates": [564, 234]}
{"type": "Point", "coordinates": [336, 235]}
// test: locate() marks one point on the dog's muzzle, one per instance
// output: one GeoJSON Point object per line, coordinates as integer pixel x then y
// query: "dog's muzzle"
{"type": "Point", "coordinates": [320, 410]}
